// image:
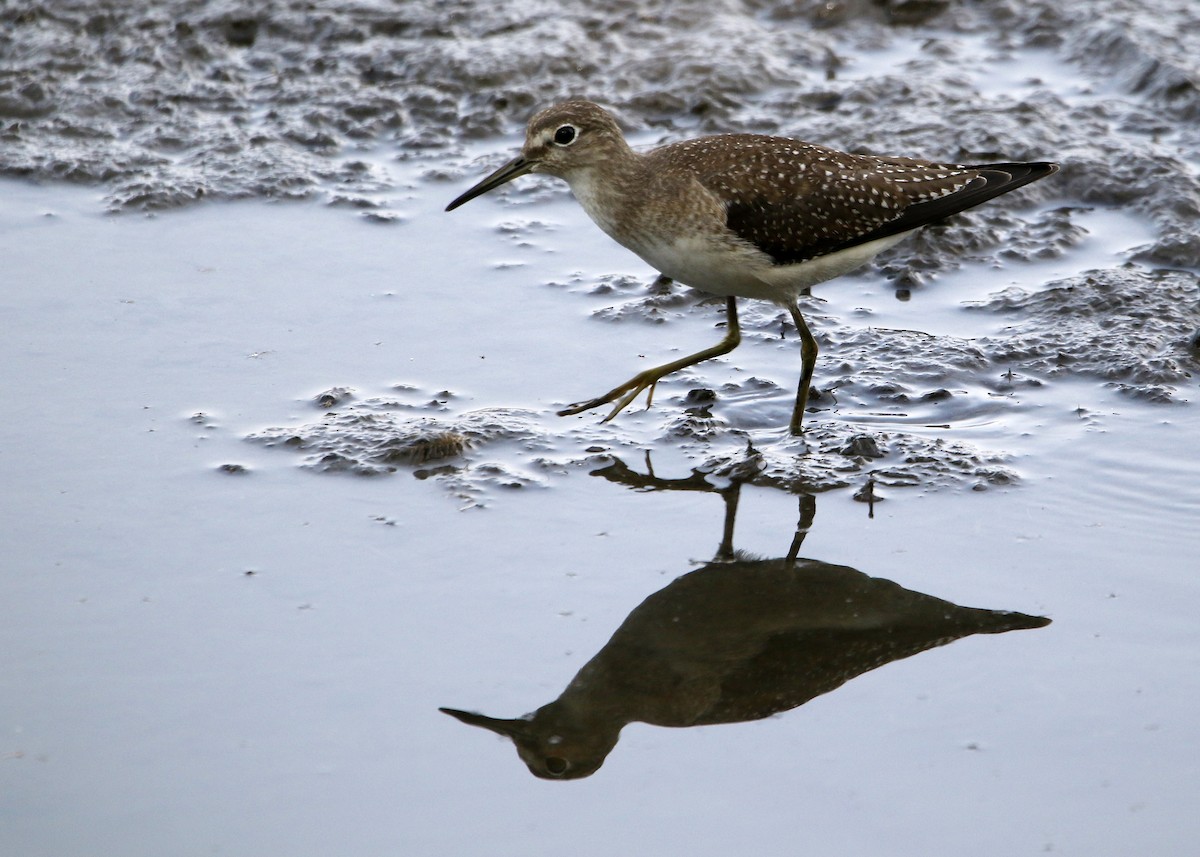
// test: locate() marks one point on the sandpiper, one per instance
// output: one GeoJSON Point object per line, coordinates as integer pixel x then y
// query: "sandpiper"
{"type": "Point", "coordinates": [744, 215]}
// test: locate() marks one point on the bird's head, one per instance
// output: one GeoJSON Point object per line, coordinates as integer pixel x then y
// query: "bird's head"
{"type": "Point", "coordinates": [552, 742]}
{"type": "Point", "coordinates": [561, 141]}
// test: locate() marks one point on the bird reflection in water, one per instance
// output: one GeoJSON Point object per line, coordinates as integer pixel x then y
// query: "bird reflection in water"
{"type": "Point", "coordinates": [738, 639]}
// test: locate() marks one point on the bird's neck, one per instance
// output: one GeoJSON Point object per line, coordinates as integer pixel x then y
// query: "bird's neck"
{"type": "Point", "coordinates": [609, 189]}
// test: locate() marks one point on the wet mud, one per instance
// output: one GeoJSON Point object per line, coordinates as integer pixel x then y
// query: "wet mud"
{"type": "Point", "coordinates": [169, 103]}
{"type": "Point", "coordinates": [474, 454]}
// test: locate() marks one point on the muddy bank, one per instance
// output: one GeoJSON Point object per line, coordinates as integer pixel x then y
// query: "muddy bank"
{"type": "Point", "coordinates": [360, 105]}
{"type": "Point", "coordinates": [170, 102]}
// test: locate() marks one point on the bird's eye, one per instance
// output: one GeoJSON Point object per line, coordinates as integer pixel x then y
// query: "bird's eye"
{"type": "Point", "coordinates": [555, 765]}
{"type": "Point", "coordinates": [565, 135]}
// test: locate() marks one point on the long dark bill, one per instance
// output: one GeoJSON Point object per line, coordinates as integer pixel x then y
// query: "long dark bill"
{"type": "Point", "coordinates": [518, 166]}
{"type": "Point", "coordinates": [509, 728]}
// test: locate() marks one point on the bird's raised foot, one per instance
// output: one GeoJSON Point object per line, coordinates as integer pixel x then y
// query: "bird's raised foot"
{"type": "Point", "coordinates": [623, 394]}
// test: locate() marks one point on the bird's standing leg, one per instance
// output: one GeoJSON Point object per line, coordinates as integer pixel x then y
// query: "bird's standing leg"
{"type": "Point", "coordinates": [808, 357]}
{"type": "Point", "coordinates": [627, 392]}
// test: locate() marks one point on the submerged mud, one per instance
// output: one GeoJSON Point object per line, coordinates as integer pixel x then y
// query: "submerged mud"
{"type": "Point", "coordinates": [474, 453]}
{"type": "Point", "coordinates": [1130, 327]}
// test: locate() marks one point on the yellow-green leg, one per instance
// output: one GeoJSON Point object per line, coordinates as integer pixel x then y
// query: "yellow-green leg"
{"type": "Point", "coordinates": [627, 392]}
{"type": "Point", "coordinates": [808, 357]}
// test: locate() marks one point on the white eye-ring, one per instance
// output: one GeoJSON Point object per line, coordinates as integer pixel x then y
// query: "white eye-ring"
{"type": "Point", "coordinates": [565, 135]}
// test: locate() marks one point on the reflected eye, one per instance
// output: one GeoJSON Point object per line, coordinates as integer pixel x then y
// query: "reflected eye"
{"type": "Point", "coordinates": [556, 766]}
{"type": "Point", "coordinates": [565, 135]}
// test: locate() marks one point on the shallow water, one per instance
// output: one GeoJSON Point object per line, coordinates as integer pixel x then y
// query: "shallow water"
{"type": "Point", "coordinates": [223, 637]}
{"type": "Point", "coordinates": [252, 662]}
